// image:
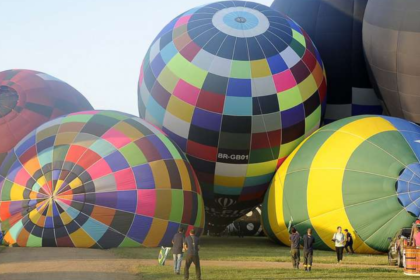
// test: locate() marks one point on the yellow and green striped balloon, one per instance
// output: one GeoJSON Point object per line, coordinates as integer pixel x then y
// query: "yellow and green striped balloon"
{"type": "Point", "coordinates": [361, 173]}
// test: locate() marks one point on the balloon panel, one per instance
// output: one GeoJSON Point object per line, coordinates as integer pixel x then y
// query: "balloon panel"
{"type": "Point", "coordinates": [390, 40]}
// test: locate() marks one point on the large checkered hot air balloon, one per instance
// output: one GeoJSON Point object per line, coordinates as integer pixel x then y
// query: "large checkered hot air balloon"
{"type": "Point", "coordinates": [29, 99]}
{"type": "Point", "coordinates": [237, 86]}
{"type": "Point", "coordinates": [98, 179]}
{"type": "Point", "coordinates": [361, 173]}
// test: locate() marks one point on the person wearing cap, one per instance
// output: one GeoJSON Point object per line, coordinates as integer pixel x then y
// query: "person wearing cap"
{"type": "Point", "coordinates": [308, 249]}
{"type": "Point", "coordinates": [349, 241]}
{"type": "Point", "coordinates": [178, 244]}
{"type": "Point", "coordinates": [294, 247]}
{"type": "Point", "coordinates": [191, 247]}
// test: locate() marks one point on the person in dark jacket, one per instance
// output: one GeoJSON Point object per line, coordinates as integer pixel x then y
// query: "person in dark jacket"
{"type": "Point", "coordinates": [178, 244]}
{"type": "Point", "coordinates": [308, 249]}
{"type": "Point", "coordinates": [294, 247]}
{"type": "Point", "coordinates": [192, 246]}
{"type": "Point", "coordinates": [349, 241]}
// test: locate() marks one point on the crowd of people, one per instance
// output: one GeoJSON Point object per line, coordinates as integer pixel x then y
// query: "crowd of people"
{"type": "Point", "coordinates": [342, 241]}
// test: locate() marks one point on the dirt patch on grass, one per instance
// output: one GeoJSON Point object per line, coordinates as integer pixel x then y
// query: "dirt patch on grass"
{"type": "Point", "coordinates": [63, 264]}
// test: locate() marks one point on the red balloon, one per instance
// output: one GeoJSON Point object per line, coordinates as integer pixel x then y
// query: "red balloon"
{"type": "Point", "coordinates": [30, 98]}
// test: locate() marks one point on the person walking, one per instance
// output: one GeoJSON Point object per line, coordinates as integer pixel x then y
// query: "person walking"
{"type": "Point", "coordinates": [340, 242]}
{"type": "Point", "coordinates": [349, 241]}
{"type": "Point", "coordinates": [192, 246]}
{"type": "Point", "coordinates": [294, 248]}
{"type": "Point", "coordinates": [178, 245]}
{"type": "Point", "coordinates": [308, 249]}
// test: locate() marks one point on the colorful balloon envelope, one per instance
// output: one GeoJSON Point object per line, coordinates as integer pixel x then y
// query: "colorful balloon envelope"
{"type": "Point", "coordinates": [335, 26]}
{"type": "Point", "coordinates": [360, 173]}
{"type": "Point", "coordinates": [237, 86]}
{"type": "Point", "coordinates": [97, 179]}
{"type": "Point", "coordinates": [29, 99]}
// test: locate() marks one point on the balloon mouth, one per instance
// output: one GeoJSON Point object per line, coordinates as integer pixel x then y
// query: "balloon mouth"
{"type": "Point", "coordinates": [408, 189]}
{"type": "Point", "coordinates": [8, 100]}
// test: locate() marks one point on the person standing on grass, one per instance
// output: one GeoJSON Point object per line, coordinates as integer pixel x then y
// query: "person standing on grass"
{"type": "Point", "coordinates": [308, 249]}
{"type": "Point", "coordinates": [178, 244]}
{"type": "Point", "coordinates": [340, 242]}
{"type": "Point", "coordinates": [294, 247]}
{"type": "Point", "coordinates": [349, 241]}
{"type": "Point", "coordinates": [192, 246]}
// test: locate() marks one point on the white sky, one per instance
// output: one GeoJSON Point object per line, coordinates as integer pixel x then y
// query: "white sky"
{"type": "Point", "coordinates": [96, 46]}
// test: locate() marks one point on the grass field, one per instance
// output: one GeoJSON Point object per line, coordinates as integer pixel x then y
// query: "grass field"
{"type": "Point", "coordinates": [215, 273]}
{"type": "Point", "coordinates": [262, 250]}
{"type": "Point", "coordinates": [251, 249]}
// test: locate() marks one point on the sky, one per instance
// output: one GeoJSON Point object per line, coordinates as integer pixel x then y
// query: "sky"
{"type": "Point", "coordinates": [96, 46]}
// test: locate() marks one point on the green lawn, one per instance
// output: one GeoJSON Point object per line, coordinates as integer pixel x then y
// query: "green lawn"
{"type": "Point", "coordinates": [250, 249]}
{"type": "Point", "coordinates": [261, 249]}
{"type": "Point", "coordinates": [209, 273]}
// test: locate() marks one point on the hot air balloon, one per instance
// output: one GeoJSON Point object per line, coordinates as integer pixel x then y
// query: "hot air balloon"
{"type": "Point", "coordinates": [29, 99]}
{"type": "Point", "coordinates": [391, 34]}
{"type": "Point", "coordinates": [237, 86]}
{"type": "Point", "coordinates": [97, 179]}
{"type": "Point", "coordinates": [335, 27]}
{"type": "Point", "coordinates": [361, 173]}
